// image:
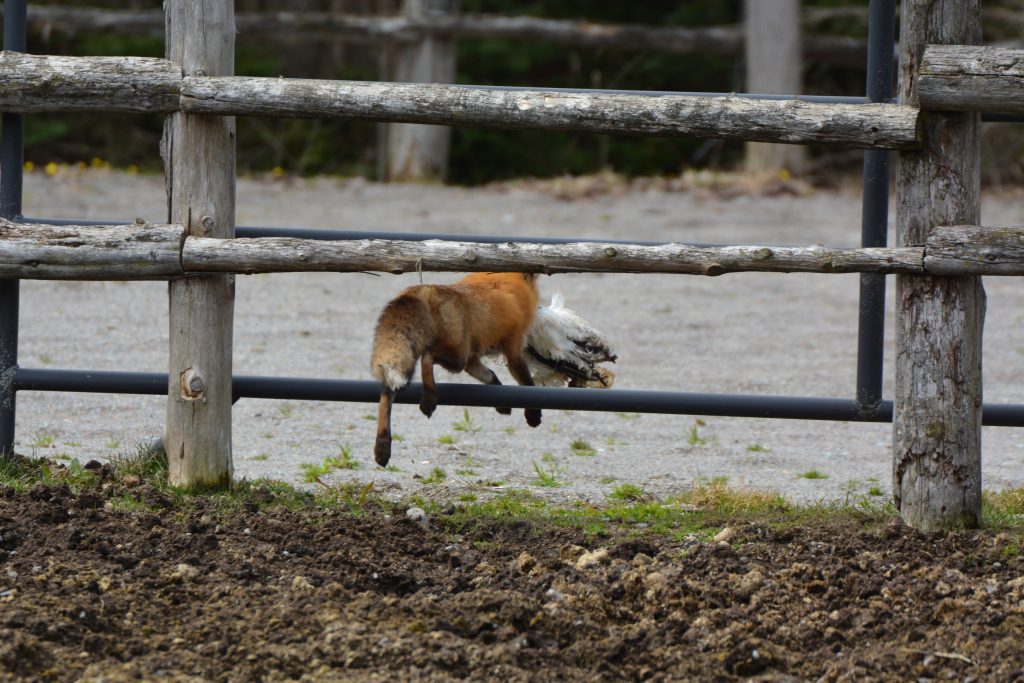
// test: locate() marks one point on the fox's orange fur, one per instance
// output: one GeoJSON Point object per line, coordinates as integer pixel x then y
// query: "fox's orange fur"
{"type": "Point", "coordinates": [452, 326]}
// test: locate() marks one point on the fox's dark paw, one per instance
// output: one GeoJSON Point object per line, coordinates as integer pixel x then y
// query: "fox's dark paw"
{"type": "Point", "coordinates": [382, 450]}
{"type": "Point", "coordinates": [504, 411]}
{"type": "Point", "coordinates": [428, 404]}
{"type": "Point", "coordinates": [533, 416]}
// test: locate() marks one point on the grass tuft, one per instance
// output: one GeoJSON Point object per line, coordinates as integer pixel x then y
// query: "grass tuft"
{"type": "Point", "coordinates": [21, 473]}
{"type": "Point", "coordinates": [436, 476]}
{"type": "Point", "coordinates": [466, 424]}
{"type": "Point", "coordinates": [694, 438]}
{"type": "Point", "coordinates": [582, 448]}
{"type": "Point", "coordinates": [311, 472]}
{"type": "Point", "coordinates": [715, 495]}
{"type": "Point", "coordinates": [547, 476]}
{"type": "Point", "coordinates": [628, 493]}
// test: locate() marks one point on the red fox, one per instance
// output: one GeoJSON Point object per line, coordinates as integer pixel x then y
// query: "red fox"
{"type": "Point", "coordinates": [452, 326]}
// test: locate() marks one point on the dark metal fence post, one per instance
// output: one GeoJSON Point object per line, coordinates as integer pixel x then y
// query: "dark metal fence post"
{"type": "Point", "coordinates": [875, 211]}
{"type": "Point", "coordinates": [11, 159]}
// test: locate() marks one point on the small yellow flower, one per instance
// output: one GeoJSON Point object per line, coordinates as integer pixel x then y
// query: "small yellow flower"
{"type": "Point", "coordinates": [51, 168]}
{"type": "Point", "coordinates": [784, 174]}
{"type": "Point", "coordinates": [81, 166]}
{"type": "Point", "coordinates": [98, 163]}
{"type": "Point", "coordinates": [277, 172]}
{"type": "Point", "coordinates": [29, 167]}
{"type": "Point", "coordinates": [132, 169]}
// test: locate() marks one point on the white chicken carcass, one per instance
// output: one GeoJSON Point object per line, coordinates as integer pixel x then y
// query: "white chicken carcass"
{"type": "Point", "coordinates": [562, 347]}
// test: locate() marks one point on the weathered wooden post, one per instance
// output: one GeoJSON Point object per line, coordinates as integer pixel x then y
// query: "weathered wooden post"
{"type": "Point", "coordinates": [419, 152]}
{"type": "Point", "coordinates": [199, 162]}
{"type": "Point", "coordinates": [937, 413]}
{"type": "Point", "coordinates": [774, 65]}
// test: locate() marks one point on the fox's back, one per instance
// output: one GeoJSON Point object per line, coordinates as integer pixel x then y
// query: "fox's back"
{"type": "Point", "coordinates": [502, 306]}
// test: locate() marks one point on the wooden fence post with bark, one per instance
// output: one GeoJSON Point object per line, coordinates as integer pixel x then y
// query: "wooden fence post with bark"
{"type": "Point", "coordinates": [938, 392]}
{"type": "Point", "coordinates": [414, 151]}
{"type": "Point", "coordinates": [199, 161]}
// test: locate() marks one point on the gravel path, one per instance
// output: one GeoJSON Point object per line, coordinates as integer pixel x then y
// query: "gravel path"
{"type": "Point", "coordinates": [743, 333]}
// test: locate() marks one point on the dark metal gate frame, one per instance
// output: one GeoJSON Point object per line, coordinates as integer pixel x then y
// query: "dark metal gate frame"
{"type": "Point", "coordinates": [868, 405]}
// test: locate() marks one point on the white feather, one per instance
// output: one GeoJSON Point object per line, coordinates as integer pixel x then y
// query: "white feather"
{"type": "Point", "coordinates": [563, 347]}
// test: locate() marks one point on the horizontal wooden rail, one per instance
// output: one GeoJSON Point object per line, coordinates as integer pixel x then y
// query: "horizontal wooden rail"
{"type": "Point", "coordinates": [46, 83]}
{"type": "Point", "coordinates": [161, 252]}
{"type": "Point", "coordinates": [972, 78]}
{"type": "Point", "coordinates": [876, 126]}
{"type": "Point", "coordinates": [726, 41]}
{"type": "Point", "coordinates": [33, 83]}
{"type": "Point", "coordinates": [142, 251]}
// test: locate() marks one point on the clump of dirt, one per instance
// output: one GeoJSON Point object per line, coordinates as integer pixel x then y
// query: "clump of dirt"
{"type": "Point", "coordinates": [189, 592]}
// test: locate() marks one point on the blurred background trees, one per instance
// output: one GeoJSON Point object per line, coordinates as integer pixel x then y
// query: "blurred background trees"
{"type": "Point", "coordinates": [478, 156]}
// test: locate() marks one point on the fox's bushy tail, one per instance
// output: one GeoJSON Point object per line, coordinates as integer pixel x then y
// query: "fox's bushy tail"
{"type": "Point", "coordinates": [404, 332]}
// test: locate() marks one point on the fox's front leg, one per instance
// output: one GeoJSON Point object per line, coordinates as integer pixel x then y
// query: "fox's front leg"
{"type": "Point", "coordinates": [428, 400]}
{"type": "Point", "coordinates": [477, 370]}
{"type": "Point", "coordinates": [382, 448]}
{"type": "Point", "coordinates": [521, 372]}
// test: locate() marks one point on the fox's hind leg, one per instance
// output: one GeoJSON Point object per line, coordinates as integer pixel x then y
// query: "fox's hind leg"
{"type": "Point", "coordinates": [477, 370]}
{"type": "Point", "coordinates": [428, 400]}
{"type": "Point", "coordinates": [382, 448]}
{"type": "Point", "coordinates": [519, 370]}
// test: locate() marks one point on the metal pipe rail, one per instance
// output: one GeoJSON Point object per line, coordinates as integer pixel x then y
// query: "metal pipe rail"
{"type": "Point", "coordinates": [549, 398]}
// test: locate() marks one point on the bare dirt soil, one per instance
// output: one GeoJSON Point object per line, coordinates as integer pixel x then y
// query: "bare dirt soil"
{"type": "Point", "coordinates": [192, 593]}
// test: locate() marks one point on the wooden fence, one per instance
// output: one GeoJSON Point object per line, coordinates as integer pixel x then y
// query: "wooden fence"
{"type": "Point", "coordinates": [940, 307]}
{"type": "Point", "coordinates": [418, 45]}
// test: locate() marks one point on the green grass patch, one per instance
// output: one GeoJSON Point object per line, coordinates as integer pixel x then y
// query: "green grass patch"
{"type": "Point", "coordinates": [1003, 509]}
{"type": "Point", "coordinates": [582, 448]}
{"type": "Point", "coordinates": [812, 474]}
{"type": "Point", "coordinates": [466, 424]}
{"type": "Point", "coordinates": [628, 492]}
{"type": "Point", "coordinates": [694, 437]}
{"type": "Point", "coordinates": [146, 461]}
{"type": "Point", "coordinates": [312, 472]}
{"type": "Point", "coordinates": [42, 440]}
{"type": "Point", "coordinates": [21, 473]}
{"type": "Point", "coordinates": [136, 479]}
{"type": "Point", "coordinates": [547, 476]}
{"type": "Point", "coordinates": [436, 476]}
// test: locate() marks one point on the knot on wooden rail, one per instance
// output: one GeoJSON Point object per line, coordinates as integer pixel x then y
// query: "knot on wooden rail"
{"type": "Point", "coordinates": [193, 385]}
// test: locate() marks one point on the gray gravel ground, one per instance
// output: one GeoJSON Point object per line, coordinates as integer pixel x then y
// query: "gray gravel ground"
{"type": "Point", "coordinates": [743, 333]}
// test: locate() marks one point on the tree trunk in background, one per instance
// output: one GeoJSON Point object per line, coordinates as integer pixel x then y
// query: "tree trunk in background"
{"type": "Point", "coordinates": [414, 151]}
{"type": "Point", "coordinates": [774, 64]}
{"type": "Point", "coordinates": [937, 408]}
